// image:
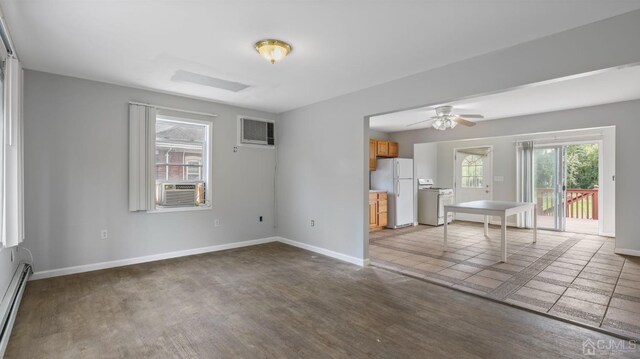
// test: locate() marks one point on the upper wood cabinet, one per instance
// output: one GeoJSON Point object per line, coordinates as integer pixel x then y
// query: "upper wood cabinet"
{"type": "Point", "coordinates": [383, 148]}
{"type": "Point", "coordinates": [380, 148]}
{"type": "Point", "coordinates": [386, 149]}
{"type": "Point", "coordinates": [393, 149]}
{"type": "Point", "coordinates": [372, 154]}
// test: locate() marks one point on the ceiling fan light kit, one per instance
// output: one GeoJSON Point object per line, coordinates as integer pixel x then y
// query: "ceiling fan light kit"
{"type": "Point", "coordinates": [442, 124]}
{"type": "Point", "coordinates": [445, 119]}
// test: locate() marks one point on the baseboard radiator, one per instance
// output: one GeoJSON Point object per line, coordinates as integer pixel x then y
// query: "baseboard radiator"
{"type": "Point", "coordinates": [11, 302]}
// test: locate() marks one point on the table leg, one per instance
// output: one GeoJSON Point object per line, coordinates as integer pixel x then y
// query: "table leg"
{"type": "Point", "coordinates": [535, 224]}
{"type": "Point", "coordinates": [503, 237]}
{"type": "Point", "coordinates": [446, 217]}
{"type": "Point", "coordinates": [486, 226]}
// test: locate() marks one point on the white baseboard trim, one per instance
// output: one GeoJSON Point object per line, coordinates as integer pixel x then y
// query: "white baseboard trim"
{"type": "Point", "coordinates": [343, 257]}
{"type": "Point", "coordinates": [149, 258]}
{"type": "Point", "coordinates": [190, 252]}
{"type": "Point", "coordinates": [629, 252]}
{"type": "Point", "coordinates": [605, 234]}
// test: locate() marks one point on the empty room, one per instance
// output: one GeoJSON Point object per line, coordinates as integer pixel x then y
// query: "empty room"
{"type": "Point", "coordinates": [285, 179]}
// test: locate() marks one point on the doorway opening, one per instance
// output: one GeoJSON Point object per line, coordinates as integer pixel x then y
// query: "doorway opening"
{"type": "Point", "coordinates": [567, 187]}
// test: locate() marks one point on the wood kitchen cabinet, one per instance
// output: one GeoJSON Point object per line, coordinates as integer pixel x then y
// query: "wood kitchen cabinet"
{"type": "Point", "coordinates": [377, 210]}
{"type": "Point", "coordinates": [373, 155]}
{"type": "Point", "coordinates": [393, 149]}
{"type": "Point", "coordinates": [386, 149]}
{"type": "Point", "coordinates": [382, 149]}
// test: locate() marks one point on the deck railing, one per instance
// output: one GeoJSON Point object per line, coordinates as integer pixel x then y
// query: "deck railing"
{"type": "Point", "coordinates": [580, 203]}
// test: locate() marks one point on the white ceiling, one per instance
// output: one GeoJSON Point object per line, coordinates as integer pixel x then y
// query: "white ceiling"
{"type": "Point", "coordinates": [338, 46]}
{"type": "Point", "coordinates": [610, 86]}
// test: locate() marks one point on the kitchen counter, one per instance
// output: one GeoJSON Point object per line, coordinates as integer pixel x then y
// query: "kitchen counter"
{"type": "Point", "coordinates": [377, 191]}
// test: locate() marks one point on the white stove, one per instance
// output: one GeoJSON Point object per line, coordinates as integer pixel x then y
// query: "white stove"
{"type": "Point", "coordinates": [431, 202]}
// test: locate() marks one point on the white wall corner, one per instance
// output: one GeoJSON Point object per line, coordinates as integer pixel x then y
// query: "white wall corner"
{"type": "Point", "coordinates": [343, 257]}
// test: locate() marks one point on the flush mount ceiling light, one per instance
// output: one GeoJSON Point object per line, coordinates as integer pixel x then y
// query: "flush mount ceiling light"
{"type": "Point", "coordinates": [273, 50]}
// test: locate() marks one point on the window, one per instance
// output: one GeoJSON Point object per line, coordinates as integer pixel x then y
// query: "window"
{"type": "Point", "coordinates": [194, 170]}
{"type": "Point", "coordinates": [472, 171]}
{"type": "Point", "coordinates": [169, 159]}
{"type": "Point", "coordinates": [181, 162]}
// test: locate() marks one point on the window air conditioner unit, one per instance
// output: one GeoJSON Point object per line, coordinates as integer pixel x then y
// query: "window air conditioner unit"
{"type": "Point", "coordinates": [256, 132]}
{"type": "Point", "coordinates": [178, 194]}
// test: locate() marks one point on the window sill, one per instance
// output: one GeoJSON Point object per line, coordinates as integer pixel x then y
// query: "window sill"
{"type": "Point", "coordinates": [180, 209]}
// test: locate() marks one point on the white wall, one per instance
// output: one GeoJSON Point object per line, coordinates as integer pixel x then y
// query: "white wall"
{"type": "Point", "coordinates": [425, 165]}
{"type": "Point", "coordinates": [76, 177]}
{"type": "Point", "coordinates": [323, 150]}
{"type": "Point", "coordinates": [378, 135]}
{"type": "Point", "coordinates": [425, 156]}
{"type": "Point", "coordinates": [504, 162]}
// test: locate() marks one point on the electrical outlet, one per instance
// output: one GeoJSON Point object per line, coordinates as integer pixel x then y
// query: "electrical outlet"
{"type": "Point", "coordinates": [260, 219]}
{"type": "Point", "coordinates": [313, 223]}
{"type": "Point", "coordinates": [104, 234]}
{"type": "Point", "coordinates": [216, 223]}
{"type": "Point", "coordinates": [235, 149]}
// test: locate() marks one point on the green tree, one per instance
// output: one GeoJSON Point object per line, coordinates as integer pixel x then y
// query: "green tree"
{"type": "Point", "coordinates": [544, 160]}
{"type": "Point", "coordinates": [582, 166]}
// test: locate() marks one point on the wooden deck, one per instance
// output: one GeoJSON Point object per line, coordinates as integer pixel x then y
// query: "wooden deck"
{"type": "Point", "coordinates": [573, 225]}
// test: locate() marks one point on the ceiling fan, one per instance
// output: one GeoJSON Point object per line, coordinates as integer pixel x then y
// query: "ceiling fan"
{"type": "Point", "coordinates": [445, 119]}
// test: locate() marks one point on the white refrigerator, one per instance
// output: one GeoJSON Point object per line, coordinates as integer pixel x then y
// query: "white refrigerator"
{"type": "Point", "coordinates": [395, 176]}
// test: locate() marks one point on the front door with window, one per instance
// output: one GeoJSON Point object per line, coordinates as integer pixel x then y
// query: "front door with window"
{"type": "Point", "coordinates": [473, 178]}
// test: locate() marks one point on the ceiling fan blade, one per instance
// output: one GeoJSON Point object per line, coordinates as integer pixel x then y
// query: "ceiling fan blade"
{"type": "Point", "coordinates": [471, 116]}
{"type": "Point", "coordinates": [464, 122]}
{"type": "Point", "coordinates": [419, 122]}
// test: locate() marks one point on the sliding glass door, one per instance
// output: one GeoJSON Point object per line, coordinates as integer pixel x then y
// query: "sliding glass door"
{"type": "Point", "coordinates": [549, 176]}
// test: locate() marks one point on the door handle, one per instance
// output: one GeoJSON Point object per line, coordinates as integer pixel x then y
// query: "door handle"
{"type": "Point", "coordinates": [398, 188]}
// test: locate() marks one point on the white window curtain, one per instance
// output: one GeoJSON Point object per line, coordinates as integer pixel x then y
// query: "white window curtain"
{"type": "Point", "coordinates": [525, 180]}
{"type": "Point", "coordinates": [141, 163]}
{"type": "Point", "coordinates": [12, 178]}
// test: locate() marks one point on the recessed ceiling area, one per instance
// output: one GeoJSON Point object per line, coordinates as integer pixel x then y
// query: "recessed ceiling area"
{"type": "Point", "coordinates": [609, 86]}
{"type": "Point", "coordinates": [339, 46]}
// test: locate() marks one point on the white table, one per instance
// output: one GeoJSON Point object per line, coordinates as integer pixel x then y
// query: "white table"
{"type": "Point", "coordinates": [500, 209]}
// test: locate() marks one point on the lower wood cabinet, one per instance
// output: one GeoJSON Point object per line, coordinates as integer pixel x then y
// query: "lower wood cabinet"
{"type": "Point", "coordinates": [377, 210]}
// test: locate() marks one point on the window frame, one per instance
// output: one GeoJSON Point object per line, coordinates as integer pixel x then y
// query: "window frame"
{"type": "Point", "coordinates": [190, 165]}
{"type": "Point", "coordinates": [207, 166]}
{"type": "Point", "coordinates": [474, 176]}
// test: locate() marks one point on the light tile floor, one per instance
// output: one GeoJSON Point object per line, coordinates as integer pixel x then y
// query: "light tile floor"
{"type": "Point", "coordinates": [569, 275]}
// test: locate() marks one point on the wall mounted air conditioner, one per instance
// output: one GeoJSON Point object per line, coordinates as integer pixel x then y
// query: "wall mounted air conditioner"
{"type": "Point", "coordinates": [178, 194]}
{"type": "Point", "coordinates": [256, 132]}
